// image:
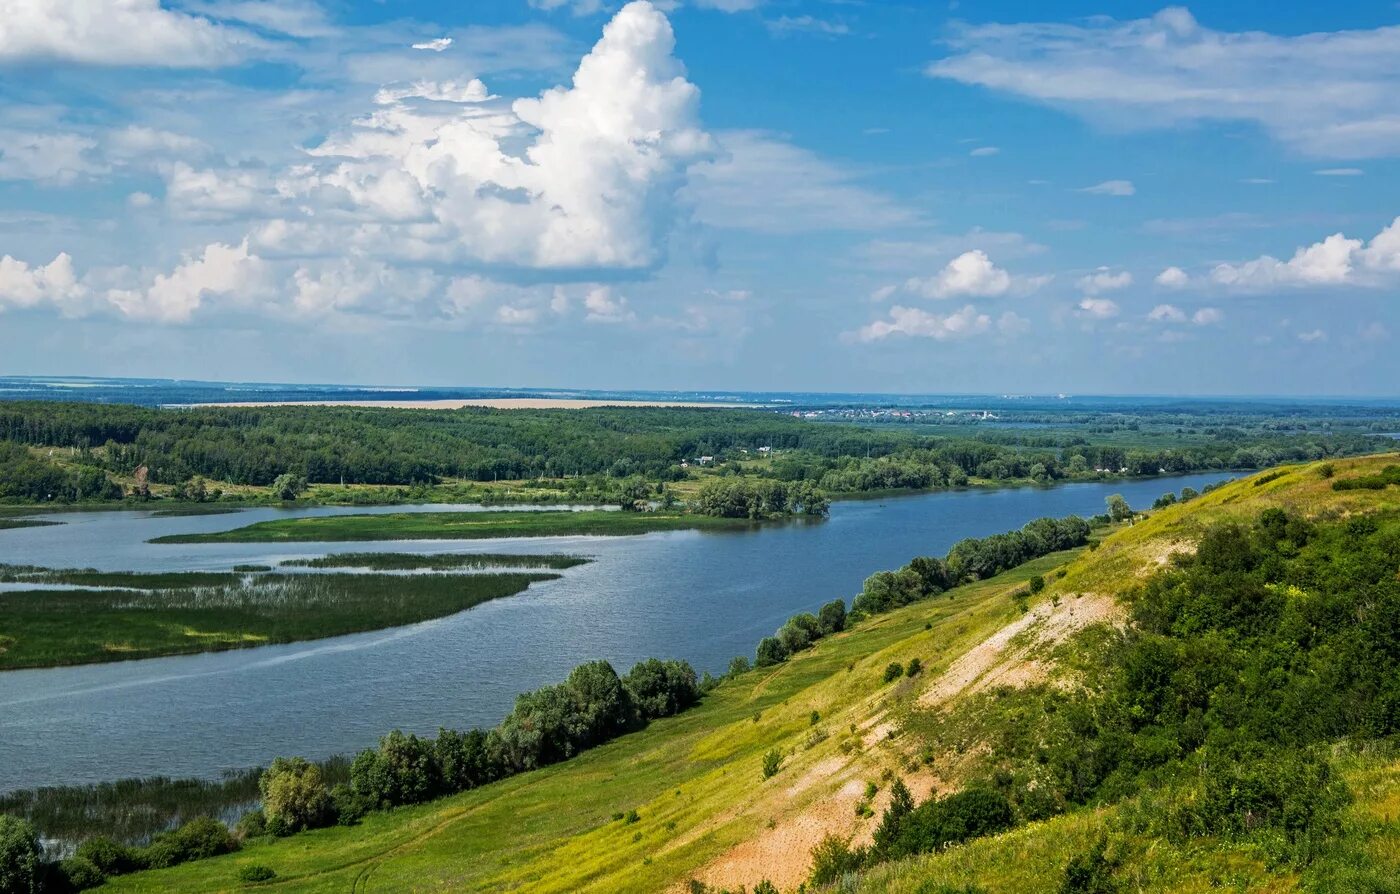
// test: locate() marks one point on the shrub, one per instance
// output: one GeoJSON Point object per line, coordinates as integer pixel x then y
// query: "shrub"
{"type": "Point", "coordinates": [110, 857]}
{"type": "Point", "coordinates": [294, 796]}
{"type": "Point", "coordinates": [770, 651]}
{"type": "Point", "coordinates": [915, 667]}
{"type": "Point", "coordinates": [800, 632]}
{"type": "Point", "coordinates": [833, 859]}
{"type": "Point", "coordinates": [661, 688]}
{"type": "Point", "coordinates": [21, 856]}
{"type": "Point", "coordinates": [765, 887]}
{"type": "Point", "coordinates": [738, 665]}
{"type": "Point", "coordinates": [195, 840]}
{"type": "Point", "coordinates": [832, 617]}
{"type": "Point", "coordinates": [893, 671]}
{"type": "Point", "coordinates": [252, 824]}
{"type": "Point", "coordinates": [935, 824]}
{"type": "Point", "coordinates": [772, 763]}
{"type": "Point", "coordinates": [401, 771]}
{"type": "Point", "coordinates": [1326, 470]}
{"type": "Point", "coordinates": [80, 874]}
{"type": "Point", "coordinates": [1090, 872]}
{"type": "Point", "coordinates": [251, 875]}
{"type": "Point", "coordinates": [1037, 584]}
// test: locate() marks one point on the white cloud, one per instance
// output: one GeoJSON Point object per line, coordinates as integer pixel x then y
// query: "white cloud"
{"type": "Point", "coordinates": [140, 199]}
{"type": "Point", "coordinates": [971, 273]}
{"type": "Point", "coordinates": [603, 307]}
{"type": "Point", "coordinates": [24, 286]}
{"type": "Point", "coordinates": [47, 157]}
{"type": "Point", "coordinates": [1104, 280]}
{"type": "Point", "coordinates": [1172, 278]}
{"type": "Point", "coordinates": [762, 182]}
{"type": "Point", "coordinates": [1167, 313]}
{"type": "Point", "coordinates": [1112, 188]}
{"type": "Point", "coordinates": [1312, 336]}
{"type": "Point", "coordinates": [1098, 308]}
{"type": "Point", "coordinates": [1207, 316]}
{"type": "Point", "coordinates": [984, 151]}
{"type": "Point", "coordinates": [118, 32]}
{"type": "Point", "coordinates": [784, 25]}
{"type": "Point", "coordinates": [1339, 172]}
{"type": "Point", "coordinates": [436, 45]}
{"type": "Point", "coordinates": [577, 7]}
{"type": "Point", "coordinates": [1011, 323]}
{"type": "Point", "coordinates": [471, 91]}
{"type": "Point", "coordinates": [1375, 331]}
{"type": "Point", "coordinates": [297, 18]}
{"type": "Point", "coordinates": [220, 270]}
{"type": "Point", "coordinates": [912, 321]}
{"type": "Point", "coordinates": [1328, 93]}
{"type": "Point", "coordinates": [510, 315]}
{"type": "Point", "coordinates": [1336, 260]}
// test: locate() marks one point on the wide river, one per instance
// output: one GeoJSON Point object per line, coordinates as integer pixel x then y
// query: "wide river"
{"type": "Point", "coordinates": [704, 597]}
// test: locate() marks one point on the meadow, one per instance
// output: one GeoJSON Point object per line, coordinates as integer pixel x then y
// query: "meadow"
{"type": "Point", "coordinates": [118, 616]}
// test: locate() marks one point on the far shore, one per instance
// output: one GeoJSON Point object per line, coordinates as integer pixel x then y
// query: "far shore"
{"type": "Point", "coordinates": [497, 403]}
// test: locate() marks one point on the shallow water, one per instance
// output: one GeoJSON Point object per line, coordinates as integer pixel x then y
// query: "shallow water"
{"type": "Point", "coordinates": [704, 597]}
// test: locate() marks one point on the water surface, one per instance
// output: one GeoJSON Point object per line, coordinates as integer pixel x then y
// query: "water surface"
{"type": "Point", "coordinates": [701, 596]}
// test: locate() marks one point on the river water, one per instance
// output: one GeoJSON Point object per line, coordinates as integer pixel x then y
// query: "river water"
{"type": "Point", "coordinates": [704, 597]}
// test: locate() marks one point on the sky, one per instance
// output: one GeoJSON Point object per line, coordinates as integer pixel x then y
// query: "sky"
{"type": "Point", "coordinates": [834, 195]}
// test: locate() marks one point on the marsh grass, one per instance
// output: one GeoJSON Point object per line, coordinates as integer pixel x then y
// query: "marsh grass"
{"type": "Point", "coordinates": [216, 611]}
{"type": "Point", "coordinates": [132, 811]}
{"type": "Point", "coordinates": [8, 523]}
{"type": "Point", "coordinates": [461, 526]}
{"type": "Point", "coordinates": [437, 562]}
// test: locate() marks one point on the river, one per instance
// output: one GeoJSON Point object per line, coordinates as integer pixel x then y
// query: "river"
{"type": "Point", "coordinates": [704, 597]}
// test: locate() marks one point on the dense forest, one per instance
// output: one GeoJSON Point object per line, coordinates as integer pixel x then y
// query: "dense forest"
{"type": "Point", "coordinates": [331, 445]}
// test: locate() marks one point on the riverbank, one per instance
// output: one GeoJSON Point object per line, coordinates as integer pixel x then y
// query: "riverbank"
{"type": "Point", "coordinates": [462, 526]}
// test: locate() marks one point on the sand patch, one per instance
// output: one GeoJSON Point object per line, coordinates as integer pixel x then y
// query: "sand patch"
{"type": "Point", "coordinates": [1004, 659]}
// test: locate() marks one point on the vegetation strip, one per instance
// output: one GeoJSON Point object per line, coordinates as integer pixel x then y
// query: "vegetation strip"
{"type": "Point", "coordinates": [182, 613]}
{"type": "Point", "coordinates": [437, 561]}
{"type": "Point", "coordinates": [461, 526]}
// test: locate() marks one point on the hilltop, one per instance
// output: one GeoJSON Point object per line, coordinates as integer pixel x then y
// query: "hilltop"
{"type": "Point", "coordinates": [687, 802]}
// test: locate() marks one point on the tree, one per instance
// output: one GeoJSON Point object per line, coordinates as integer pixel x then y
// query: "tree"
{"type": "Point", "coordinates": [21, 857]}
{"type": "Point", "coordinates": [770, 651]}
{"type": "Point", "coordinates": [288, 486]}
{"type": "Point", "coordinates": [901, 805]}
{"type": "Point", "coordinates": [832, 617]}
{"type": "Point", "coordinates": [800, 632]}
{"type": "Point", "coordinates": [662, 688]}
{"type": "Point", "coordinates": [294, 795]}
{"type": "Point", "coordinates": [1118, 508]}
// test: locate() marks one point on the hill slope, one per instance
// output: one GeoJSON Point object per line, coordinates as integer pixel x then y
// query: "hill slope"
{"type": "Point", "coordinates": [704, 809]}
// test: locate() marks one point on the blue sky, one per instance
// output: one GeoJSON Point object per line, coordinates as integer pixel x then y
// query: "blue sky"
{"type": "Point", "coordinates": [765, 194]}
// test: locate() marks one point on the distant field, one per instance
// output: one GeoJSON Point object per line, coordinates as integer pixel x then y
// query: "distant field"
{"type": "Point", "coordinates": [495, 403]}
{"type": "Point", "coordinates": [460, 526]}
{"type": "Point", "coordinates": [182, 613]}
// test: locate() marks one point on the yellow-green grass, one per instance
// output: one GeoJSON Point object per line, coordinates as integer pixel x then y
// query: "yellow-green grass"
{"type": "Point", "coordinates": [1302, 489]}
{"type": "Point", "coordinates": [551, 830]}
{"type": "Point", "coordinates": [461, 526]}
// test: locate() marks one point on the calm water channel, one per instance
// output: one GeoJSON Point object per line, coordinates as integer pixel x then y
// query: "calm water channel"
{"type": "Point", "coordinates": [704, 597]}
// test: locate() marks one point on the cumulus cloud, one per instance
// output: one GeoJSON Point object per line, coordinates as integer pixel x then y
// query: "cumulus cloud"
{"type": "Point", "coordinates": [1336, 260]}
{"type": "Point", "coordinates": [604, 307]}
{"type": "Point", "coordinates": [118, 32]}
{"type": "Point", "coordinates": [1112, 188]}
{"type": "Point", "coordinates": [436, 45]}
{"type": "Point", "coordinates": [1170, 313]}
{"type": "Point", "coordinates": [911, 321]}
{"type": "Point", "coordinates": [1104, 280]}
{"type": "Point", "coordinates": [47, 157]}
{"type": "Point", "coordinates": [1172, 278]}
{"type": "Point", "coordinates": [1098, 308]}
{"type": "Point", "coordinates": [971, 273]}
{"type": "Point", "coordinates": [1329, 93]}
{"type": "Point", "coordinates": [53, 283]}
{"type": "Point", "coordinates": [220, 270]}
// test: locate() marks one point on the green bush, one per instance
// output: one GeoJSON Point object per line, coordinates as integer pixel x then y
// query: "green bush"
{"type": "Point", "coordinates": [893, 671]}
{"type": "Point", "coordinates": [251, 875]}
{"type": "Point", "coordinates": [772, 763]}
{"type": "Point", "coordinates": [80, 874]}
{"type": "Point", "coordinates": [1037, 584]}
{"type": "Point", "coordinates": [21, 856]}
{"type": "Point", "coordinates": [110, 857]}
{"type": "Point", "coordinates": [770, 651]}
{"type": "Point", "coordinates": [294, 796]}
{"type": "Point", "coordinates": [915, 668]}
{"type": "Point", "coordinates": [833, 859]}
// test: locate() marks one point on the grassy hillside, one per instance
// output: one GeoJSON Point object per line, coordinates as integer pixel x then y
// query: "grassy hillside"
{"type": "Point", "coordinates": [995, 664]}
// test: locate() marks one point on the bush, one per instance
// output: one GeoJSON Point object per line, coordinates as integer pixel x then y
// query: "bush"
{"type": "Point", "coordinates": [195, 840]}
{"type": "Point", "coordinates": [661, 688]}
{"type": "Point", "coordinates": [772, 763]}
{"type": "Point", "coordinates": [401, 771]}
{"type": "Point", "coordinates": [833, 859]}
{"type": "Point", "coordinates": [1090, 872]}
{"type": "Point", "coordinates": [915, 667]}
{"type": "Point", "coordinates": [800, 632]}
{"type": "Point", "coordinates": [110, 857]}
{"type": "Point", "coordinates": [935, 824]}
{"type": "Point", "coordinates": [252, 824]}
{"type": "Point", "coordinates": [893, 671]}
{"type": "Point", "coordinates": [294, 796]}
{"type": "Point", "coordinates": [738, 665]}
{"type": "Point", "coordinates": [1037, 584]}
{"type": "Point", "coordinates": [832, 617]}
{"type": "Point", "coordinates": [80, 874]}
{"type": "Point", "coordinates": [770, 651]}
{"type": "Point", "coordinates": [21, 856]}
{"type": "Point", "coordinates": [251, 875]}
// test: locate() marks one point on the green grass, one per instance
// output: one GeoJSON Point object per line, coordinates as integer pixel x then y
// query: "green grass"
{"type": "Point", "coordinates": [460, 526]}
{"type": "Point", "coordinates": [437, 561]}
{"type": "Point", "coordinates": [204, 611]}
{"type": "Point", "coordinates": [695, 779]}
